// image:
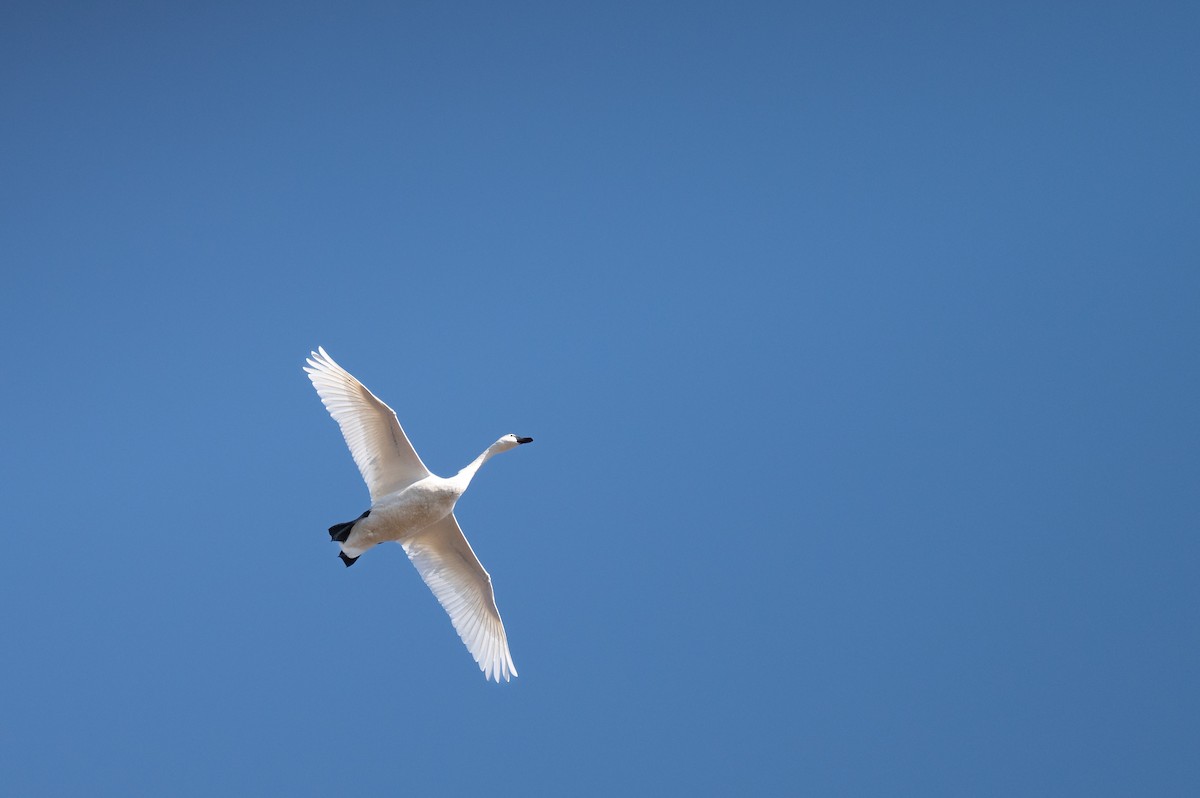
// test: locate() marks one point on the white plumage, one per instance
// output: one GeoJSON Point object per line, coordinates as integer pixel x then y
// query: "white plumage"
{"type": "Point", "coordinates": [415, 508]}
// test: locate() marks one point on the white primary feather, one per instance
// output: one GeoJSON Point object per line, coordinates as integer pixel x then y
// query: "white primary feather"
{"type": "Point", "coordinates": [446, 562]}
{"type": "Point", "coordinates": [377, 442]}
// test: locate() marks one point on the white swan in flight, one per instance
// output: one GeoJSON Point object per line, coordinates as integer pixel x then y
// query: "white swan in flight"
{"type": "Point", "coordinates": [416, 509]}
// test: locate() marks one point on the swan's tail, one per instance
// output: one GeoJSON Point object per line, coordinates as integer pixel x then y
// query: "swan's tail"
{"type": "Point", "coordinates": [339, 532]}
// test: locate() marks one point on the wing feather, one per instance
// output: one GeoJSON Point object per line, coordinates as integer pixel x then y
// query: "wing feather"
{"type": "Point", "coordinates": [450, 568]}
{"type": "Point", "coordinates": [385, 458]}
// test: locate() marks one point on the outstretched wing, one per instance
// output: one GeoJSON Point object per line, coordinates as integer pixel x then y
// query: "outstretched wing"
{"type": "Point", "coordinates": [446, 563]}
{"type": "Point", "coordinates": [380, 448]}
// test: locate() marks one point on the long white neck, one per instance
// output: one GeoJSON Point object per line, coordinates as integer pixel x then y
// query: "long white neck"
{"type": "Point", "coordinates": [468, 472]}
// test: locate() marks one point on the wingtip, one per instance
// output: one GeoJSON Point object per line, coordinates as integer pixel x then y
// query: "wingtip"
{"type": "Point", "coordinates": [498, 669]}
{"type": "Point", "coordinates": [318, 361]}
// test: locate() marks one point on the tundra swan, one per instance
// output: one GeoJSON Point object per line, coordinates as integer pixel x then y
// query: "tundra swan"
{"type": "Point", "coordinates": [416, 509]}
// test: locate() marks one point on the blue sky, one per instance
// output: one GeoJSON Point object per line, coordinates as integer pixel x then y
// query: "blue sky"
{"type": "Point", "coordinates": [858, 341]}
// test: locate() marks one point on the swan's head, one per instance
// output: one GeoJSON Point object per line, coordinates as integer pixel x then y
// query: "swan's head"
{"type": "Point", "coordinates": [511, 441]}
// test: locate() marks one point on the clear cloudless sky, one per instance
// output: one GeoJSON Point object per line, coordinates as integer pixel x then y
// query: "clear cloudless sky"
{"type": "Point", "coordinates": [859, 342]}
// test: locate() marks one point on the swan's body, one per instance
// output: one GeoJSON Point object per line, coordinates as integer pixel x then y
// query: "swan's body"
{"type": "Point", "coordinates": [416, 509]}
{"type": "Point", "coordinates": [397, 515]}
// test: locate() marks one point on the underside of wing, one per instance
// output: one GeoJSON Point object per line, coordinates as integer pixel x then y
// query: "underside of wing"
{"type": "Point", "coordinates": [463, 588]}
{"type": "Point", "coordinates": [377, 442]}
